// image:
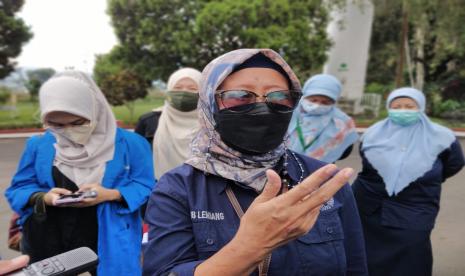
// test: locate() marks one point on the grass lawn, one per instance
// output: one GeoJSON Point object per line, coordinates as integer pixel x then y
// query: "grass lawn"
{"type": "Point", "coordinates": [27, 113]}
{"type": "Point", "coordinates": [24, 116]}
{"type": "Point", "coordinates": [141, 106]}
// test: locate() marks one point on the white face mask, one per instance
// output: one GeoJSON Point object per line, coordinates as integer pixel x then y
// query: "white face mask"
{"type": "Point", "coordinates": [311, 108]}
{"type": "Point", "coordinates": [77, 134]}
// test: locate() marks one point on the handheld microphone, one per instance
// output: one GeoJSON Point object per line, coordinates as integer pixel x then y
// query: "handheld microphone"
{"type": "Point", "coordinates": [73, 262]}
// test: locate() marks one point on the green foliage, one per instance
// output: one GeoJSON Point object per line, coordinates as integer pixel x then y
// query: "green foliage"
{"type": "Point", "coordinates": [33, 86]}
{"type": "Point", "coordinates": [384, 42]}
{"type": "Point", "coordinates": [35, 80]}
{"type": "Point", "coordinates": [107, 65]}
{"type": "Point", "coordinates": [435, 38]}
{"type": "Point", "coordinates": [454, 88]}
{"type": "Point", "coordinates": [122, 87]}
{"type": "Point", "coordinates": [13, 34]}
{"type": "Point", "coordinates": [4, 95]}
{"type": "Point", "coordinates": [378, 88]}
{"type": "Point", "coordinates": [449, 105]}
{"type": "Point", "coordinates": [42, 74]}
{"type": "Point", "coordinates": [295, 29]}
{"type": "Point", "coordinates": [159, 36]}
{"type": "Point", "coordinates": [442, 107]}
{"type": "Point", "coordinates": [27, 114]}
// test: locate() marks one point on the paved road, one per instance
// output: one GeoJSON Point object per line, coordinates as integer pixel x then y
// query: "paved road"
{"type": "Point", "coordinates": [448, 236]}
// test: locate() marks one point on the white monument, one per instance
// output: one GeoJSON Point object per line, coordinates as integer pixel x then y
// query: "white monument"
{"type": "Point", "coordinates": [350, 31]}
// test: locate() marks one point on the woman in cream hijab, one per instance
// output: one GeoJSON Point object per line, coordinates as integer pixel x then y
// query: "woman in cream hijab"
{"type": "Point", "coordinates": [82, 150]}
{"type": "Point", "coordinates": [178, 122]}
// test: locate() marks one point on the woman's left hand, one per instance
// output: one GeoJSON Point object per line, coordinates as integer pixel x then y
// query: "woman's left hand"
{"type": "Point", "coordinates": [103, 194]}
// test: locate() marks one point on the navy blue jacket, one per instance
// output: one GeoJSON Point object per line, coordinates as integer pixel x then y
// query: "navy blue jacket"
{"type": "Point", "coordinates": [190, 218]}
{"type": "Point", "coordinates": [417, 206]}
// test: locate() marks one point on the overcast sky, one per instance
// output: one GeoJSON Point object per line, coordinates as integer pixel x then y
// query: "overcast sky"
{"type": "Point", "coordinates": [67, 33]}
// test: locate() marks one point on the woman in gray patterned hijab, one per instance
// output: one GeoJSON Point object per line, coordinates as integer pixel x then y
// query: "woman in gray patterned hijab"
{"type": "Point", "coordinates": [243, 202]}
{"type": "Point", "coordinates": [210, 153]}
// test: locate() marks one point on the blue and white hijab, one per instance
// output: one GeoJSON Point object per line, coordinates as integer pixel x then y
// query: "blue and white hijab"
{"type": "Point", "coordinates": [322, 135]}
{"type": "Point", "coordinates": [402, 154]}
{"type": "Point", "coordinates": [209, 153]}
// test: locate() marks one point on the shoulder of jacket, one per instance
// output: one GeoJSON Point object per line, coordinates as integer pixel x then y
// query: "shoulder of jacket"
{"type": "Point", "coordinates": [45, 137]}
{"type": "Point", "coordinates": [150, 115]}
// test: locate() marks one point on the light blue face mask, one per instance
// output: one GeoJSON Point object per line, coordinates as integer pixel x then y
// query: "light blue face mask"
{"type": "Point", "coordinates": [404, 117]}
{"type": "Point", "coordinates": [311, 108]}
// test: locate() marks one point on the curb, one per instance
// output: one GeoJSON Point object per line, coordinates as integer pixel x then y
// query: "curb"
{"type": "Point", "coordinates": [458, 134]}
{"type": "Point", "coordinates": [13, 135]}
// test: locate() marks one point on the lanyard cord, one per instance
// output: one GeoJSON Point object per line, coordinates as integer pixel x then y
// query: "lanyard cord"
{"type": "Point", "coordinates": [302, 138]}
{"type": "Point", "coordinates": [265, 264]}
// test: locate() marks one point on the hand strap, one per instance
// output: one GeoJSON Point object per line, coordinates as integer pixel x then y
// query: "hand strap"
{"type": "Point", "coordinates": [265, 264]}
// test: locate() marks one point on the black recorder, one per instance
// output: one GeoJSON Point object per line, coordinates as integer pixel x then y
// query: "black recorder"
{"type": "Point", "coordinates": [73, 262]}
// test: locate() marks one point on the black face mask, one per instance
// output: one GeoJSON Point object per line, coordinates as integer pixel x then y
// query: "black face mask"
{"type": "Point", "coordinates": [256, 131]}
{"type": "Point", "coordinates": [183, 100]}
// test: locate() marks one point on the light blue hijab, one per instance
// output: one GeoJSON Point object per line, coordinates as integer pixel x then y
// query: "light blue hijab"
{"type": "Point", "coordinates": [402, 154]}
{"type": "Point", "coordinates": [321, 136]}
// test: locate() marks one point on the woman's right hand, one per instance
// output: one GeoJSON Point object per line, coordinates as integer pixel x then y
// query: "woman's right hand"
{"type": "Point", "coordinates": [51, 196]}
{"type": "Point", "coordinates": [273, 220]}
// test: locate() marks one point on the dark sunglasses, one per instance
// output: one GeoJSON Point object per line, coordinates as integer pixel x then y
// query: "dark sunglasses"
{"type": "Point", "coordinates": [242, 100]}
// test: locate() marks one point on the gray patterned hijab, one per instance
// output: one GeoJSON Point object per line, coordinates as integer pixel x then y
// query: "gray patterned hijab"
{"type": "Point", "coordinates": [209, 153]}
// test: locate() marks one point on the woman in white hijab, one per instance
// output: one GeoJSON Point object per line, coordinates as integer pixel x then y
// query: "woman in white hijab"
{"type": "Point", "coordinates": [81, 151]}
{"type": "Point", "coordinates": [178, 122]}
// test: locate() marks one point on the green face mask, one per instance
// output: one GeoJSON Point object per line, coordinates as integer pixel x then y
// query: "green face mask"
{"type": "Point", "coordinates": [404, 117]}
{"type": "Point", "coordinates": [182, 100]}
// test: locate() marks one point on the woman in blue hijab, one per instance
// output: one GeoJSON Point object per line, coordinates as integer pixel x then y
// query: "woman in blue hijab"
{"type": "Point", "coordinates": [406, 158]}
{"type": "Point", "coordinates": [318, 128]}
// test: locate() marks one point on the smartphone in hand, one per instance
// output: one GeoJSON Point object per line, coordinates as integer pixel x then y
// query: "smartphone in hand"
{"type": "Point", "coordinates": [75, 197]}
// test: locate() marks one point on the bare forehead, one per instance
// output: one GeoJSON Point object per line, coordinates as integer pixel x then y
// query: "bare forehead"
{"type": "Point", "coordinates": [256, 76]}
{"type": "Point", "coordinates": [403, 100]}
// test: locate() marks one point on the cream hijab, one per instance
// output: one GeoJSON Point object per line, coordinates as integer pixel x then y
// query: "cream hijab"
{"type": "Point", "coordinates": [175, 129]}
{"type": "Point", "coordinates": [76, 93]}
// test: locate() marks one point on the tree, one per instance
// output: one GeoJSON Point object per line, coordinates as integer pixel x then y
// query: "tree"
{"type": "Point", "coordinates": [434, 42]}
{"type": "Point", "coordinates": [13, 34]}
{"type": "Point", "coordinates": [159, 36]}
{"type": "Point", "coordinates": [35, 80]}
{"type": "Point", "coordinates": [123, 88]}
{"type": "Point", "coordinates": [295, 29]}
{"type": "Point", "coordinates": [107, 65]}
{"type": "Point", "coordinates": [4, 95]}
{"type": "Point", "coordinates": [155, 34]}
